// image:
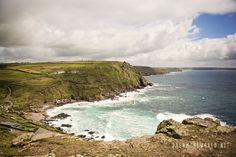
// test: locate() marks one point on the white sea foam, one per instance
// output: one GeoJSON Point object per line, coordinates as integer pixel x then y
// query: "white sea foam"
{"type": "Point", "coordinates": [124, 97]}
{"type": "Point", "coordinates": [173, 73]}
{"type": "Point", "coordinates": [108, 137]}
{"type": "Point", "coordinates": [180, 117]}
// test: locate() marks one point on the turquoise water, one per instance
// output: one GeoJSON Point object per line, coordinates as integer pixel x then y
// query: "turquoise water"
{"type": "Point", "coordinates": [200, 93]}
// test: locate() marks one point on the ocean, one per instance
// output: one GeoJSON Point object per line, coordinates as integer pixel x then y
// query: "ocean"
{"type": "Point", "coordinates": [202, 93]}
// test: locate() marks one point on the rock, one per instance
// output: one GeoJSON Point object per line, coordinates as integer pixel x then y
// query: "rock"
{"type": "Point", "coordinates": [103, 137]}
{"type": "Point", "coordinates": [22, 139]}
{"type": "Point", "coordinates": [61, 116]}
{"type": "Point", "coordinates": [207, 122]}
{"type": "Point", "coordinates": [66, 125]}
{"type": "Point", "coordinates": [91, 132]}
{"type": "Point", "coordinates": [58, 128]}
{"type": "Point", "coordinates": [9, 124]}
{"type": "Point", "coordinates": [224, 129]}
{"type": "Point", "coordinates": [143, 82]}
{"type": "Point", "coordinates": [172, 129]}
{"type": "Point", "coordinates": [191, 128]}
{"type": "Point", "coordinates": [45, 135]}
{"type": "Point", "coordinates": [81, 136]}
{"type": "Point", "coordinates": [150, 84]}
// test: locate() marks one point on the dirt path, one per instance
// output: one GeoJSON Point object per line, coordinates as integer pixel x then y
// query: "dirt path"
{"type": "Point", "coordinates": [7, 98]}
{"type": "Point", "coordinates": [8, 95]}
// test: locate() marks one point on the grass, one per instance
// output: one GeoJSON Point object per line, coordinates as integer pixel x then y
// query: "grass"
{"type": "Point", "coordinates": [27, 87]}
{"type": "Point", "coordinates": [34, 84]}
{"type": "Point", "coordinates": [5, 145]}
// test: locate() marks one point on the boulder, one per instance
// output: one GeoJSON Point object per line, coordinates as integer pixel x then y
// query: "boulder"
{"type": "Point", "coordinates": [61, 116]}
{"type": "Point", "coordinates": [207, 122]}
{"type": "Point", "coordinates": [66, 125]}
{"type": "Point", "coordinates": [172, 129]}
{"type": "Point", "coordinates": [150, 84]}
{"type": "Point", "coordinates": [81, 136]}
{"type": "Point", "coordinates": [191, 127]}
{"type": "Point", "coordinates": [143, 82]}
{"type": "Point", "coordinates": [91, 132]}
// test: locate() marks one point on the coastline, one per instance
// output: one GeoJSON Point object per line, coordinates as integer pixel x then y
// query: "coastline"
{"type": "Point", "coordinates": [179, 117]}
{"type": "Point", "coordinates": [46, 140]}
{"type": "Point", "coordinates": [125, 96]}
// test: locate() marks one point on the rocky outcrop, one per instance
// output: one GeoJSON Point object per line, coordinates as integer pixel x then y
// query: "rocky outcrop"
{"type": "Point", "coordinates": [192, 127]}
{"type": "Point", "coordinates": [206, 123]}
{"type": "Point", "coordinates": [172, 128]}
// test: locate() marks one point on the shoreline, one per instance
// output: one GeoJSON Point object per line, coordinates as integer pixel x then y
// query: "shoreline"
{"type": "Point", "coordinates": [128, 94]}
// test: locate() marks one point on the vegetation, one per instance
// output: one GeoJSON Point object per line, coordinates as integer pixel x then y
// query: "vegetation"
{"type": "Point", "coordinates": [27, 87]}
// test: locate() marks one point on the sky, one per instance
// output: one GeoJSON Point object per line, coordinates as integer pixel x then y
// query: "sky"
{"type": "Point", "coordinates": [167, 33]}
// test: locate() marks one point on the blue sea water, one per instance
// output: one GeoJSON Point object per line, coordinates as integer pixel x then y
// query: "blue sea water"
{"type": "Point", "coordinates": [203, 93]}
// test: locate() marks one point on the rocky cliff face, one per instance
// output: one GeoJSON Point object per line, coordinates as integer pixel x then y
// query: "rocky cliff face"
{"type": "Point", "coordinates": [192, 137]}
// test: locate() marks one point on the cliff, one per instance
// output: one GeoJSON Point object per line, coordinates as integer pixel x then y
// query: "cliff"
{"type": "Point", "coordinates": [29, 87]}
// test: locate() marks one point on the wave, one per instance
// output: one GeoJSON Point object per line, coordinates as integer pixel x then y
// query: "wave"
{"type": "Point", "coordinates": [173, 73]}
{"type": "Point", "coordinates": [180, 117]}
{"type": "Point", "coordinates": [118, 100]}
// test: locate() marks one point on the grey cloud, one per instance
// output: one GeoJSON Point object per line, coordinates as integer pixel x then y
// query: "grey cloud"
{"type": "Point", "coordinates": [40, 30]}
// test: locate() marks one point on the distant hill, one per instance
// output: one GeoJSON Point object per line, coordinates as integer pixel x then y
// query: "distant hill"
{"type": "Point", "coordinates": [210, 68]}
{"type": "Point", "coordinates": [146, 71]}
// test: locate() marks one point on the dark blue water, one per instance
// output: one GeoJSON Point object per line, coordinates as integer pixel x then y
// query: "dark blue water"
{"type": "Point", "coordinates": [197, 92]}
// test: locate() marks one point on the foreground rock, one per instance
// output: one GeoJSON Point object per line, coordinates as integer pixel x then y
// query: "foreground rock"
{"type": "Point", "coordinates": [193, 128]}
{"type": "Point", "coordinates": [192, 137]}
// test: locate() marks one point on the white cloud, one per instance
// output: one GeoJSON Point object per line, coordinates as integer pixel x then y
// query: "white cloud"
{"type": "Point", "coordinates": [156, 30]}
{"type": "Point", "coordinates": [187, 51]}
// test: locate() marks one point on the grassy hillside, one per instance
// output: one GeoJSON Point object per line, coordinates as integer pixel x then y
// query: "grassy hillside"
{"type": "Point", "coordinates": [26, 87]}
{"type": "Point", "coordinates": [146, 71]}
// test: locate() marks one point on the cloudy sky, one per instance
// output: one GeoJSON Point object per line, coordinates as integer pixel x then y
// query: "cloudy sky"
{"type": "Point", "coordinates": [142, 32]}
